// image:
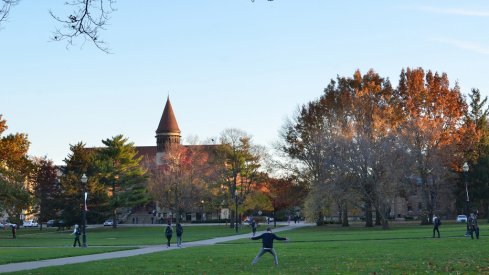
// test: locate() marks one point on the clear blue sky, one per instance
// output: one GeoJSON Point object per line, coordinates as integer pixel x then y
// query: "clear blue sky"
{"type": "Point", "coordinates": [225, 63]}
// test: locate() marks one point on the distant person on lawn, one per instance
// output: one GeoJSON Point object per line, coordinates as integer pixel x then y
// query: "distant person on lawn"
{"type": "Point", "coordinates": [253, 227]}
{"type": "Point", "coordinates": [168, 233]}
{"type": "Point", "coordinates": [267, 241]}
{"type": "Point", "coordinates": [179, 234]}
{"type": "Point", "coordinates": [14, 231]}
{"type": "Point", "coordinates": [77, 234]}
{"type": "Point", "coordinates": [436, 225]}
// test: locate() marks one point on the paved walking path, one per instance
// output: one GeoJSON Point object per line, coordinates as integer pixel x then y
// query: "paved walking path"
{"type": "Point", "coordinates": [128, 253]}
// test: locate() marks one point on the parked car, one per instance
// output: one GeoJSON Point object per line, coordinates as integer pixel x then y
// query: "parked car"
{"type": "Point", "coordinates": [30, 223]}
{"type": "Point", "coordinates": [50, 223]}
{"type": "Point", "coordinates": [108, 223]}
{"type": "Point", "coordinates": [461, 218]}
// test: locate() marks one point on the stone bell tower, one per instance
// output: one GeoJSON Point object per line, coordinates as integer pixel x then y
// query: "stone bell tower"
{"type": "Point", "coordinates": [168, 132]}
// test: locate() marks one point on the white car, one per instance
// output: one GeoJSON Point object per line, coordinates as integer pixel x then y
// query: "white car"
{"type": "Point", "coordinates": [108, 223]}
{"type": "Point", "coordinates": [30, 223]}
{"type": "Point", "coordinates": [461, 218]}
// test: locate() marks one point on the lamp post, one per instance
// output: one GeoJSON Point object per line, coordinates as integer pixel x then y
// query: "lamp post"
{"type": "Point", "coordinates": [84, 180]}
{"type": "Point", "coordinates": [236, 212]}
{"type": "Point", "coordinates": [465, 168]}
{"type": "Point", "coordinates": [202, 218]}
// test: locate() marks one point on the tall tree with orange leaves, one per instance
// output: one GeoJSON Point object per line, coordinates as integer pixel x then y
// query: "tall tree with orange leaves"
{"type": "Point", "coordinates": [434, 127]}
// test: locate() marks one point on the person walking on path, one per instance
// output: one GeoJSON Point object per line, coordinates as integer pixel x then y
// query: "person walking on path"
{"type": "Point", "coordinates": [168, 233]}
{"type": "Point", "coordinates": [179, 234]}
{"type": "Point", "coordinates": [253, 227]}
{"type": "Point", "coordinates": [473, 226]}
{"type": "Point", "coordinates": [436, 225]}
{"type": "Point", "coordinates": [267, 241]}
{"type": "Point", "coordinates": [77, 234]}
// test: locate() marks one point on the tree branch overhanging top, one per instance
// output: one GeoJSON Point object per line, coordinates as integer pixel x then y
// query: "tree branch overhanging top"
{"type": "Point", "coordinates": [86, 20]}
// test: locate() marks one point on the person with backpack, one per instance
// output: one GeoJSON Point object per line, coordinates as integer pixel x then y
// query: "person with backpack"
{"type": "Point", "coordinates": [77, 234]}
{"type": "Point", "coordinates": [179, 234]}
{"type": "Point", "coordinates": [168, 233]}
{"type": "Point", "coordinates": [267, 242]}
{"type": "Point", "coordinates": [436, 225]}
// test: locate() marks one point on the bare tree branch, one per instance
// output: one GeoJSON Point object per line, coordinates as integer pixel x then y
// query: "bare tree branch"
{"type": "Point", "coordinates": [5, 8]}
{"type": "Point", "coordinates": [87, 19]}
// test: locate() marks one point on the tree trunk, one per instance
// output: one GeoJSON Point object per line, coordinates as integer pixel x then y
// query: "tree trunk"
{"type": "Point", "coordinates": [345, 215]}
{"type": "Point", "coordinates": [378, 218]}
{"type": "Point", "coordinates": [385, 223]}
{"type": "Point", "coordinates": [340, 212]}
{"type": "Point", "coordinates": [114, 219]}
{"type": "Point", "coordinates": [368, 215]}
{"type": "Point", "coordinates": [231, 221]}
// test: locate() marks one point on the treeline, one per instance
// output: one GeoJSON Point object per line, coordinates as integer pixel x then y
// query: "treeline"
{"type": "Point", "coordinates": [363, 143]}
{"type": "Point", "coordinates": [185, 179]}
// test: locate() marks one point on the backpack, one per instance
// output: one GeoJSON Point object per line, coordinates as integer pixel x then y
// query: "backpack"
{"type": "Point", "coordinates": [179, 230]}
{"type": "Point", "coordinates": [168, 230]}
{"type": "Point", "coordinates": [77, 232]}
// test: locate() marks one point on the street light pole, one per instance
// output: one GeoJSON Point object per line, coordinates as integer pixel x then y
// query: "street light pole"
{"type": "Point", "coordinates": [202, 217]}
{"type": "Point", "coordinates": [84, 180]}
{"type": "Point", "coordinates": [467, 202]}
{"type": "Point", "coordinates": [236, 212]}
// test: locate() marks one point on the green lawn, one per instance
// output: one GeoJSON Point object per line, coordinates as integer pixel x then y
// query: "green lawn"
{"type": "Point", "coordinates": [23, 254]}
{"type": "Point", "coordinates": [122, 236]}
{"type": "Point", "coordinates": [317, 250]}
{"type": "Point", "coordinates": [33, 244]}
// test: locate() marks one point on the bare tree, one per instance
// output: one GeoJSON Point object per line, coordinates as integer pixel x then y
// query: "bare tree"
{"type": "Point", "coordinates": [180, 183]}
{"type": "Point", "coordinates": [86, 20]}
{"type": "Point", "coordinates": [5, 8]}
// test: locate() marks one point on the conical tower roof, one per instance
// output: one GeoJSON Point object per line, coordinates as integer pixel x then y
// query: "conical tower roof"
{"type": "Point", "coordinates": [168, 122]}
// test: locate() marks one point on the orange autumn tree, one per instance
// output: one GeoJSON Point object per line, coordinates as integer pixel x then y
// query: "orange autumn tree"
{"type": "Point", "coordinates": [179, 183]}
{"type": "Point", "coordinates": [434, 126]}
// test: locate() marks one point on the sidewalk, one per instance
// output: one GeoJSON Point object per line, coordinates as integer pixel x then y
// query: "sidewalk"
{"type": "Point", "coordinates": [128, 253]}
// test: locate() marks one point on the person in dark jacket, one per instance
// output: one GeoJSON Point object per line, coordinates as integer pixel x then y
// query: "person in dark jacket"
{"type": "Point", "coordinates": [436, 225]}
{"type": "Point", "coordinates": [14, 231]}
{"type": "Point", "coordinates": [267, 241]}
{"type": "Point", "coordinates": [473, 226]}
{"type": "Point", "coordinates": [179, 234]}
{"type": "Point", "coordinates": [253, 227]}
{"type": "Point", "coordinates": [168, 233]}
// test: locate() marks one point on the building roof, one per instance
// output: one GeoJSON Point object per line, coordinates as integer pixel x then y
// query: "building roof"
{"type": "Point", "coordinates": [168, 122]}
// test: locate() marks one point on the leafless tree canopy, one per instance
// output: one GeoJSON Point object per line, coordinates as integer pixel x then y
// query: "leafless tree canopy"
{"type": "Point", "coordinates": [5, 8]}
{"type": "Point", "coordinates": [86, 20]}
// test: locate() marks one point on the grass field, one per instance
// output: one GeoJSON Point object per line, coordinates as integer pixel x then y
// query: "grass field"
{"type": "Point", "coordinates": [405, 249]}
{"type": "Point", "coordinates": [33, 244]}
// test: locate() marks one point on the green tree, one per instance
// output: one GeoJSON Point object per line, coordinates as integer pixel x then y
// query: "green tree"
{"type": "Point", "coordinates": [81, 161]}
{"type": "Point", "coordinates": [241, 170]}
{"type": "Point", "coordinates": [47, 190]}
{"type": "Point", "coordinates": [15, 173]}
{"type": "Point", "coordinates": [121, 172]}
{"type": "Point", "coordinates": [478, 156]}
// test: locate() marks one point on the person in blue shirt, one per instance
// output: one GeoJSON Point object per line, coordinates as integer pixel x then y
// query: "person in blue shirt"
{"type": "Point", "coordinates": [267, 241]}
